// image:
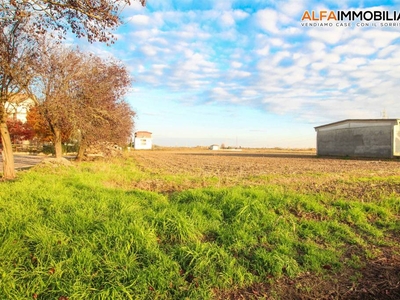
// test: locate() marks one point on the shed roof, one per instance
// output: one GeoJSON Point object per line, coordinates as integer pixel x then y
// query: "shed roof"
{"type": "Point", "coordinates": [369, 121]}
{"type": "Point", "coordinates": [143, 134]}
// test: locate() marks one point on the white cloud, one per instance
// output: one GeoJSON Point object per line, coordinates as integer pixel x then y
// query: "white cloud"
{"type": "Point", "coordinates": [264, 58]}
{"type": "Point", "coordinates": [227, 19]}
{"type": "Point", "coordinates": [263, 51]}
{"type": "Point", "coordinates": [222, 5]}
{"type": "Point", "coordinates": [267, 19]}
{"type": "Point", "coordinates": [237, 74]}
{"type": "Point", "coordinates": [329, 35]}
{"type": "Point", "coordinates": [142, 35]}
{"type": "Point", "coordinates": [277, 42]}
{"type": "Point", "coordinates": [387, 51]}
{"type": "Point", "coordinates": [220, 92]}
{"type": "Point", "coordinates": [355, 61]}
{"type": "Point", "coordinates": [317, 46]}
{"type": "Point", "coordinates": [332, 58]}
{"type": "Point", "coordinates": [356, 47]}
{"type": "Point", "coordinates": [140, 20]}
{"type": "Point", "coordinates": [318, 66]}
{"type": "Point", "coordinates": [292, 8]}
{"type": "Point", "coordinates": [236, 64]}
{"type": "Point", "coordinates": [239, 14]}
{"type": "Point", "coordinates": [250, 93]}
{"type": "Point", "coordinates": [149, 50]}
{"type": "Point", "coordinates": [380, 38]}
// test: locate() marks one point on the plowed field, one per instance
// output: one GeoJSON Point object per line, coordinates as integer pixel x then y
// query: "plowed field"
{"type": "Point", "coordinates": [364, 179]}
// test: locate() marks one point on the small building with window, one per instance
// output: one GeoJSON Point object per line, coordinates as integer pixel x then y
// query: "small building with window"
{"type": "Point", "coordinates": [143, 140]}
{"type": "Point", "coordinates": [214, 147]}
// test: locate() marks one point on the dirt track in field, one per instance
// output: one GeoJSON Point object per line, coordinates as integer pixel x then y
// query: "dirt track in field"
{"type": "Point", "coordinates": [294, 170]}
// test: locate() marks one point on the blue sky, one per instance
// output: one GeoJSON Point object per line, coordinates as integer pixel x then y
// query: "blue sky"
{"type": "Point", "coordinates": [248, 73]}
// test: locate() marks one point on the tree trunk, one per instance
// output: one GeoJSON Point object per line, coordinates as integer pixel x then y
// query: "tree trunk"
{"type": "Point", "coordinates": [81, 150]}
{"type": "Point", "coordinates": [57, 143]}
{"type": "Point", "coordinates": [7, 153]}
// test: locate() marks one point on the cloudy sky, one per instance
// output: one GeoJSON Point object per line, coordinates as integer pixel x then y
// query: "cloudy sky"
{"type": "Point", "coordinates": [250, 73]}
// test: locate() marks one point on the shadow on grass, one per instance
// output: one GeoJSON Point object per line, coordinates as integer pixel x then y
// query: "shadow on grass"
{"type": "Point", "coordinates": [378, 279]}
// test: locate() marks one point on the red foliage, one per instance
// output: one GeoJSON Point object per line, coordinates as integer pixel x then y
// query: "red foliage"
{"type": "Point", "coordinates": [19, 131]}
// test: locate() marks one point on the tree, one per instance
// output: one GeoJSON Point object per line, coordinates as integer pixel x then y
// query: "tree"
{"type": "Point", "coordinates": [106, 117]}
{"type": "Point", "coordinates": [19, 131]}
{"type": "Point", "coordinates": [57, 89]}
{"type": "Point", "coordinates": [22, 21]}
{"type": "Point", "coordinates": [39, 125]}
{"type": "Point", "coordinates": [116, 128]}
{"type": "Point", "coordinates": [82, 92]}
{"type": "Point", "coordinates": [17, 51]}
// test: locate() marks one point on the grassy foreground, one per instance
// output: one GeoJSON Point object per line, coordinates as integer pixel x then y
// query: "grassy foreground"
{"type": "Point", "coordinates": [72, 233]}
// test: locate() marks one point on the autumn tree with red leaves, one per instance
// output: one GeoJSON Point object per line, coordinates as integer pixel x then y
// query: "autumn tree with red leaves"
{"type": "Point", "coordinates": [19, 131]}
{"type": "Point", "coordinates": [79, 92]}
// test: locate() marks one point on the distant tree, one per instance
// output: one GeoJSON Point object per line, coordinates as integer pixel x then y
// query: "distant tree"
{"type": "Point", "coordinates": [106, 117]}
{"type": "Point", "coordinates": [82, 92]}
{"type": "Point", "coordinates": [123, 124]}
{"type": "Point", "coordinates": [39, 125]}
{"type": "Point", "coordinates": [19, 131]}
{"type": "Point", "coordinates": [59, 75]}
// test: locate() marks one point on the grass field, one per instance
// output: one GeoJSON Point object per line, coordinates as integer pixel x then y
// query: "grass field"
{"type": "Point", "coordinates": [203, 225]}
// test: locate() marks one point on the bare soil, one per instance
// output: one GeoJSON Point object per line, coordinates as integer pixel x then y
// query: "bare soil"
{"type": "Point", "coordinates": [295, 170]}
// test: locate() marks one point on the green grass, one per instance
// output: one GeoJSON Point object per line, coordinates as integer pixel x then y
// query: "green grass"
{"type": "Point", "coordinates": [66, 232]}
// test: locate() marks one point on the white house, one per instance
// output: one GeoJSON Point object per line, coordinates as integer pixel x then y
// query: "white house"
{"type": "Point", "coordinates": [18, 106]}
{"type": "Point", "coordinates": [214, 147]}
{"type": "Point", "coordinates": [143, 140]}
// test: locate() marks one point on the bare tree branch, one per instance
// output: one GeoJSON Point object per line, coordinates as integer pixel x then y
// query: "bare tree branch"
{"type": "Point", "coordinates": [91, 19]}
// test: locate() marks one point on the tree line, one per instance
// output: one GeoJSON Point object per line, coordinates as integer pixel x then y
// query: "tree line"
{"type": "Point", "coordinates": [75, 92]}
